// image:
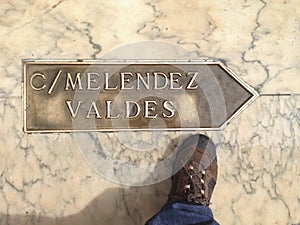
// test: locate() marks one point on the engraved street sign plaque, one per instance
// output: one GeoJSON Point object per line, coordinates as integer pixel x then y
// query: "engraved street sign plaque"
{"type": "Point", "coordinates": [95, 95]}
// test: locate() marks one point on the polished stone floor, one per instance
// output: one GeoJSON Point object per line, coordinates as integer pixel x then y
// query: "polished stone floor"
{"type": "Point", "coordinates": [44, 178]}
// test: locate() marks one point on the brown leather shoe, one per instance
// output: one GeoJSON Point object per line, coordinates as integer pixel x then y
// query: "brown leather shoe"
{"type": "Point", "coordinates": [196, 163]}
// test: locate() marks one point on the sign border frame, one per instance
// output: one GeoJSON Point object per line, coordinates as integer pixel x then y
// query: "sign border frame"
{"type": "Point", "coordinates": [205, 61]}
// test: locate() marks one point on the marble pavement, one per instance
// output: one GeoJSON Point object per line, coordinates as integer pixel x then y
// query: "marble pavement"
{"type": "Point", "coordinates": [45, 180]}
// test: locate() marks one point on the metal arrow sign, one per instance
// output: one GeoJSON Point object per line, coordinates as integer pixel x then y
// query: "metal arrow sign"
{"type": "Point", "coordinates": [107, 95]}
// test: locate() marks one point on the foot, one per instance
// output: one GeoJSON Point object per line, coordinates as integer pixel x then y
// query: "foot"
{"type": "Point", "coordinates": [196, 163]}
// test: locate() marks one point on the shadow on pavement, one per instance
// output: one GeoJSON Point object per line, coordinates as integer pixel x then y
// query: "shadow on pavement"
{"type": "Point", "coordinates": [116, 206]}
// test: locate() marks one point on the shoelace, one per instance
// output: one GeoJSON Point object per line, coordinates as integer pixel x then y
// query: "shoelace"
{"type": "Point", "coordinates": [191, 185]}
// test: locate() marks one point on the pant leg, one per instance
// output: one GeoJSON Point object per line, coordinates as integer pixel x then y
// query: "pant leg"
{"type": "Point", "coordinates": [183, 214]}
